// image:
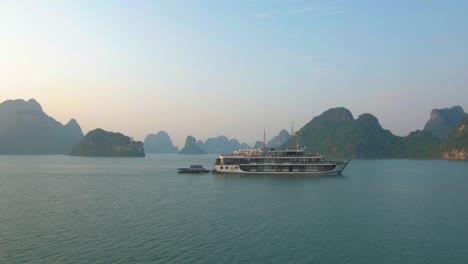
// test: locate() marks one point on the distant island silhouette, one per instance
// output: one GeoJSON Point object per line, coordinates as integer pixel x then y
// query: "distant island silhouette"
{"type": "Point", "coordinates": [160, 143]}
{"type": "Point", "coordinates": [25, 129]}
{"type": "Point", "coordinates": [191, 147]}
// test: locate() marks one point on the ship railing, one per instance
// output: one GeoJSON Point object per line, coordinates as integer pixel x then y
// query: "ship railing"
{"type": "Point", "coordinates": [241, 155]}
{"type": "Point", "coordinates": [283, 162]}
{"type": "Point", "coordinates": [261, 155]}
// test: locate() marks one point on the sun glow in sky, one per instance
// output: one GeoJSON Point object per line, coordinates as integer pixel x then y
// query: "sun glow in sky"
{"type": "Point", "coordinates": [210, 68]}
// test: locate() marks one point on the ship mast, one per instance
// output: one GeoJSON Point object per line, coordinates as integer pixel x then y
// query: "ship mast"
{"type": "Point", "coordinates": [297, 141]}
{"type": "Point", "coordinates": [293, 134]}
{"type": "Point", "coordinates": [291, 143]}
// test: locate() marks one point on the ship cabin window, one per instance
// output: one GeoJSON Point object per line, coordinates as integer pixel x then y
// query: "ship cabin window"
{"type": "Point", "coordinates": [231, 161]}
{"type": "Point", "coordinates": [236, 161]}
{"type": "Point", "coordinates": [293, 153]}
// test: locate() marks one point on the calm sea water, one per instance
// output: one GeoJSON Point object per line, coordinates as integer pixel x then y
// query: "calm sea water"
{"type": "Point", "coordinates": [59, 209]}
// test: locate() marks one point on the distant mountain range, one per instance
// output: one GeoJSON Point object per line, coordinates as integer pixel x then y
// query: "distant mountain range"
{"type": "Point", "coordinates": [26, 129]}
{"type": "Point", "coordinates": [221, 144]}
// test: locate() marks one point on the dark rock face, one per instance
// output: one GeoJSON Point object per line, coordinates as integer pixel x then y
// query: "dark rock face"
{"type": "Point", "coordinates": [279, 140]}
{"type": "Point", "coordinates": [100, 143]}
{"type": "Point", "coordinates": [159, 143]}
{"type": "Point", "coordinates": [443, 120]}
{"type": "Point", "coordinates": [221, 144]}
{"type": "Point", "coordinates": [191, 147]}
{"type": "Point", "coordinates": [26, 129]}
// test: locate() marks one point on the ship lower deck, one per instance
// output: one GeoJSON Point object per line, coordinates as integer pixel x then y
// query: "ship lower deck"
{"type": "Point", "coordinates": [281, 169]}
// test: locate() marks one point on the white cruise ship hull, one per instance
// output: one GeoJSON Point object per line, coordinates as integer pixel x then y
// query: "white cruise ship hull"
{"type": "Point", "coordinates": [283, 169]}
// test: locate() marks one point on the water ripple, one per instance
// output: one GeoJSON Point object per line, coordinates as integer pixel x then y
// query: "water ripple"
{"type": "Point", "coordinates": [79, 210]}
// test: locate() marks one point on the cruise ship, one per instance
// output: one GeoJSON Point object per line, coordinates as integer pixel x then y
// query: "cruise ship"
{"type": "Point", "coordinates": [284, 162]}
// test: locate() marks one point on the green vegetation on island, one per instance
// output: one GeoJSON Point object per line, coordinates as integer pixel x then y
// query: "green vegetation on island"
{"type": "Point", "coordinates": [100, 143]}
{"type": "Point", "coordinates": [337, 134]}
{"type": "Point", "coordinates": [420, 145]}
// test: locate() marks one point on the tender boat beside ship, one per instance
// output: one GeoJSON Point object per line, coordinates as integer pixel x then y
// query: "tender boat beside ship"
{"type": "Point", "coordinates": [193, 169]}
{"type": "Point", "coordinates": [285, 162]}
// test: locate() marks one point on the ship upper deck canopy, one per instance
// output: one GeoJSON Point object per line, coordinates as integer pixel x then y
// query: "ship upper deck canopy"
{"type": "Point", "coordinates": [269, 153]}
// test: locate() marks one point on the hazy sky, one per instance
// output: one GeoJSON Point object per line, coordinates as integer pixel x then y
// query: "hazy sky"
{"type": "Point", "coordinates": [210, 68]}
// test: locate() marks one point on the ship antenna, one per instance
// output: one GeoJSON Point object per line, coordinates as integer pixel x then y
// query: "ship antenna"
{"type": "Point", "coordinates": [264, 141]}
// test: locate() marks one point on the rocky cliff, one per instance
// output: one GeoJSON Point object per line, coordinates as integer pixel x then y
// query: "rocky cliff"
{"type": "Point", "coordinates": [443, 120]}
{"type": "Point", "coordinates": [456, 145]}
